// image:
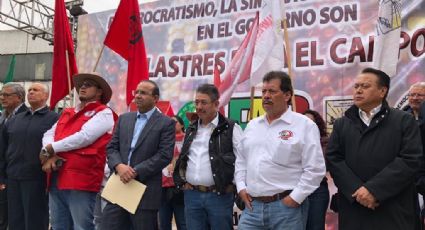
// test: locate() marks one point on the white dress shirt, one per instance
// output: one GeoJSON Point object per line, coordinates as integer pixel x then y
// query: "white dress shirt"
{"type": "Point", "coordinates": [93, 129]}
{"type": "Point", "coordinates": [283, 155]}
{"type": "Point", "coordinates": [198, 171]}
{"type": "Point", "coordinates": [367, 119]}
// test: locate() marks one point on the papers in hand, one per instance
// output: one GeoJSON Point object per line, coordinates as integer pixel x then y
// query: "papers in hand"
{"type": "Point", "coordinates": [127, 196]}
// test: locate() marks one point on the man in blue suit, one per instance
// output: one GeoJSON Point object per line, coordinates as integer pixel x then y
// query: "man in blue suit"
{"type": "Point", "coordinates": [142, 145]}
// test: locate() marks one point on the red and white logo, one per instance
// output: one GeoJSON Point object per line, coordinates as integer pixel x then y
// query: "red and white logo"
{"type": "Point", "coordinates": [286, 134]}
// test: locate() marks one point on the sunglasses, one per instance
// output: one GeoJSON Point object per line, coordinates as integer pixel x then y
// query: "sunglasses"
{"type": "Point", "coordinates": [88, 84]}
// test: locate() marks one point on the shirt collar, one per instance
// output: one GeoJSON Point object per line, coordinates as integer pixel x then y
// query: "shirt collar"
{"type": "Point", "coordinates": [373, 112]}
{"type": "Point", "coordinates": [148, 114]}
{"type": "Point", "coordinates": [79, 106]}
{"type": "Point", "coordinates": [17, 108]}
{"type": "Point", "coordinates": [214, 122]}
{"type": "Point", "coordinates": [32, 112]}
{"type": "Point", "coordinates": [286, 117]}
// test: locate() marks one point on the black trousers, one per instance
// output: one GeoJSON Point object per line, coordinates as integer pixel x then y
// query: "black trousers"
{"type": "Point", "coordinates": [117, 218]}
{"type": "Point", "coordinates": [28, 205]}
{"type": "Point", "coordinates": [3, 209]}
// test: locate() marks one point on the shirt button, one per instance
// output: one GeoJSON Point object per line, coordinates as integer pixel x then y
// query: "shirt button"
{"type": "Point", "coordinates": [218, 193]}
{"type": "Point", "coordinates": [214, 175]}
{"type": "Point", "coordinates": [211, 158]}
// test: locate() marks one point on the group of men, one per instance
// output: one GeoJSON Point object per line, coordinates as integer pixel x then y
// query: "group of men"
{"type": "Point", "coordinates": [374, 156]}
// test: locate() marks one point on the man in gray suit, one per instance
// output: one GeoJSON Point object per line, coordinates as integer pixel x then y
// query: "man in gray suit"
{"type": "Point", "coordinates": [141, 146]}
{"type": "Point", "coordinates": [12, 99]}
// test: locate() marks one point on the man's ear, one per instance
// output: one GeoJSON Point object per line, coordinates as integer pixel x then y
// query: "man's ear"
{"type": "Point", "coordinates": [384, 91]}
{"type": "Point", "coordinates": [156, 98]}
{"type": "Point", "coordinates": [217, 103]}
{"type": "Point", "coordinates": [99, 93]}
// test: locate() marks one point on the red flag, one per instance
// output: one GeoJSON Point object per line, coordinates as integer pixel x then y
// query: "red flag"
{"type": "Point", "coordinates": [62, 45]}
{"type": "Point", "coordinates": [217, 83]}
{"type": "Point", "coordinates": [125, 37]}
{"type": "Point", "coordinates": [239, 69]}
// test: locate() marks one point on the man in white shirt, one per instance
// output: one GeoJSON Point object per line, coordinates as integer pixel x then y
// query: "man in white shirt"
{"type": "Point", "coordinates": [78, 141]}
{"type": "Point", "coordinates": [281, 161]}
{"type": "Point", "coordinates": [205, 166]}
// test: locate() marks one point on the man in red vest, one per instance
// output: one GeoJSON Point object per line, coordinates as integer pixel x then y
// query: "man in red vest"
{"type": "Point", "coordinates": [74, 154]}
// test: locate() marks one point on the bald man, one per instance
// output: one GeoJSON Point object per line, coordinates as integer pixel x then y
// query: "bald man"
{"type": "Point", "coordinates": [20, 169]}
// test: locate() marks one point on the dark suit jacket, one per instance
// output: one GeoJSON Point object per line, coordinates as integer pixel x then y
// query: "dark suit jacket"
{"type": "Point", "coordinates": [383, 157]}
{"type": "Point", "coordinates": [153, 151]}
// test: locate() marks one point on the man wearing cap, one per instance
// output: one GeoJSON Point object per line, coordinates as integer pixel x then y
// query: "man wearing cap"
{"type": "Point", "coordinates": [74, 154]}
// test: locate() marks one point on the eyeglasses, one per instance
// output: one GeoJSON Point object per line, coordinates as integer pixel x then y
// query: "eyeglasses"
{"type": "Point", "coordinates": [7, 94]}
{"type": "Point", "coordinates": [416, 95]}
{"type": "Point", "coordinates": [88, 84]}
{"type": "Point", "coordinates": [141, 92]}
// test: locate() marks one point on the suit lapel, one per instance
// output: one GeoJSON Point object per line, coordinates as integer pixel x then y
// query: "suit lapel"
{"type": "Point", "coordinates": [150, 123]}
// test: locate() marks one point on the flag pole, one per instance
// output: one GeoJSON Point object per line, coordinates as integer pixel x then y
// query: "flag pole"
{"type": "Point", "coordinates": [288, 58]}
{"type": "Point", "coordinates": [251, 104]}
{"type": "Point", "coordinates": [250, 115]}
{"type": "Point", "coordinates": [68, 74]}
{"type": "Point", "coordinates": [98, 58]}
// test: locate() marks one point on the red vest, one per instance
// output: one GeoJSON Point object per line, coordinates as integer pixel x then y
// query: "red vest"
{"type": "Point", "coordinates": [83, 169]}
{"type": "Point", "coordinates": [167, 181]}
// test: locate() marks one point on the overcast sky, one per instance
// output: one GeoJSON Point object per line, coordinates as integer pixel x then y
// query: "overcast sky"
{"type": "Point", "coordinates": [91, 6]}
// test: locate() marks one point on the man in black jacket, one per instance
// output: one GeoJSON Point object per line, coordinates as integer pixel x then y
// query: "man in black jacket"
{"type": "Point", "coordinates": [206, 166]}
{"type": "Point", "coordinates": [21, 143]}
{"type": "Point", "coordinates": [12, 98]}
{"type": "Point", "coordinates": [374, 154]}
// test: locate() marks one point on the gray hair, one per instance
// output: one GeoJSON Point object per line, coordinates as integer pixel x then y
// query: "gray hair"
{"type": "Point", "coordinates": [45, 86]}
{"type": "Point", "coordinates": [17, 88]}
{"type": "Point", "coordinates": [420, 84]}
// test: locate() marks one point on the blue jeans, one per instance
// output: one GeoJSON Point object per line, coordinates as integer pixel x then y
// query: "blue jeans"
{"type": "Point", "coordinates": [318, 204]}
{"type": "Point", "coordinates": [71, 209]}
{"type": "Point", "coordinates": [203, 209]}
{"type": "Point", "coordinates": [273, 216]}
{"type": "Point", "coordinates": [168, 207]}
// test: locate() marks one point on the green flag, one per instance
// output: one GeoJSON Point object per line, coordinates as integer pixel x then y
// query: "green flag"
{"type": "Point", "coordinates": [11, 71]}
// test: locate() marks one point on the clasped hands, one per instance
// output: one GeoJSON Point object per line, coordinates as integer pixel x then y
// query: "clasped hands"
{"type": "Point", "coordinates": [365, 198]}
{"type": "Point", "coordinates": [126, 172]}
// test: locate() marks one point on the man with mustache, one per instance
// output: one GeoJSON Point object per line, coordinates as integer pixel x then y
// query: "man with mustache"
{"type": "Point", "coordinates": [205, 167]}
{"type": "Point", "coordinates": [281, 162]}
{"type": "Point", "coordinates": [374, 154]}
{"type": "Point", "coordinates": [78, 141]}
